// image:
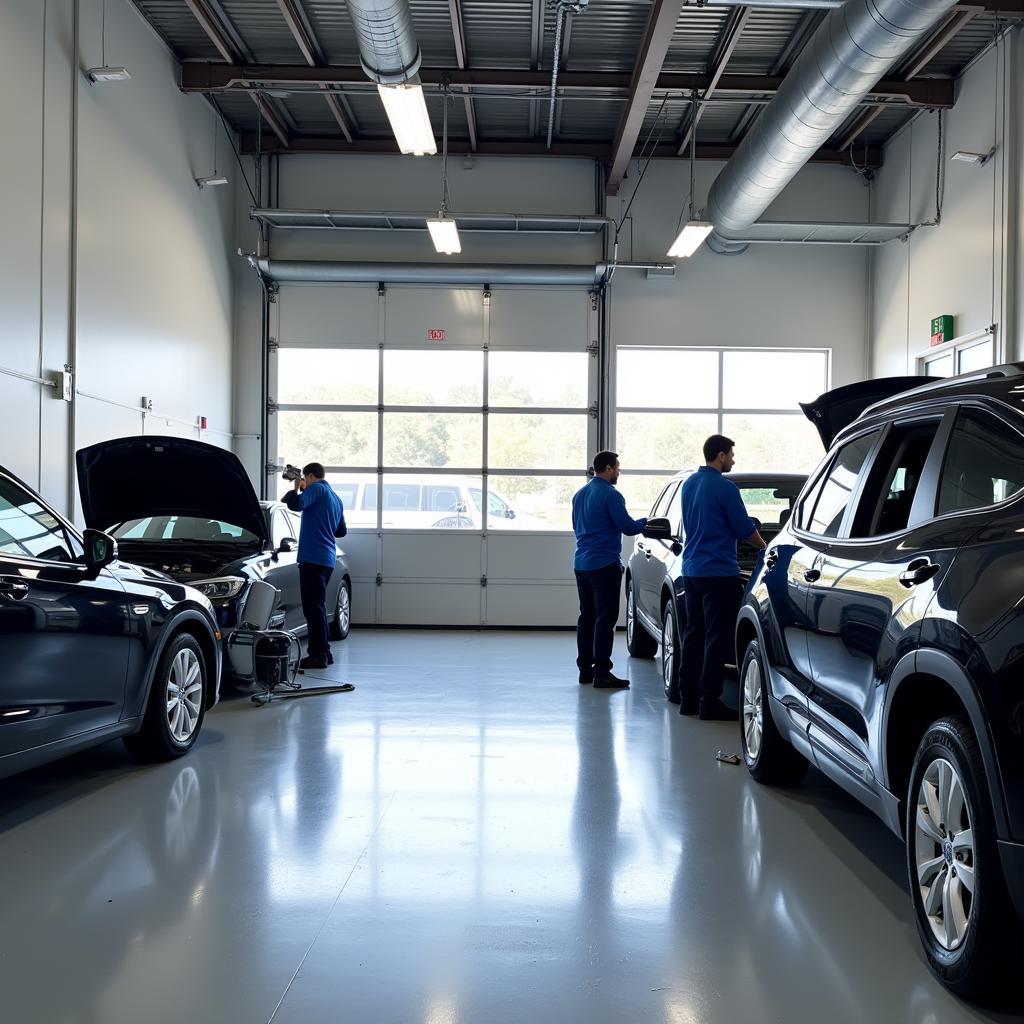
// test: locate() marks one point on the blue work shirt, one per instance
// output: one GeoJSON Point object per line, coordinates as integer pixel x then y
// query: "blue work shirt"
{"type": "Point", "coordinates": [322, 514]}
{"type": "Point", "coordinates": [599, 519]}
{"type": "Point", "coordinates": [714, 519]}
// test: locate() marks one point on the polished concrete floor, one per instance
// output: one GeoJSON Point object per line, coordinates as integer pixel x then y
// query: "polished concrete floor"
{"type": "Point", "coordinates": [468, 838]}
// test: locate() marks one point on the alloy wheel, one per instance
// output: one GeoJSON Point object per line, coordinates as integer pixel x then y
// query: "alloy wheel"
{"type": "Point", "coordinates": [344, 609]}
{"type": "Point", "coordinates": [668, 652]}
{"type": "Point", "coordinates": [944, 853]}
{"type": "Point", "coordinates": [753, 710]}
{"type": "Point", "coordinates": [184, 695]}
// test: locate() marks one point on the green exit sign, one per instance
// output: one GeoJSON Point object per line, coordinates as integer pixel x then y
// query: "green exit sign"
{"type": "Point", "coordinates": [942, 329]}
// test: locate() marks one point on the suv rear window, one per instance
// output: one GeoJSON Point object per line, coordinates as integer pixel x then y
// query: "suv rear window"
{"type": "Point", "coordinates": [984, 463]}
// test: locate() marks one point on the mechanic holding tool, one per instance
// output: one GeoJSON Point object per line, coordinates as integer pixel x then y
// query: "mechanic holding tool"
{"type": "Point", "coordinates": [323, 519]}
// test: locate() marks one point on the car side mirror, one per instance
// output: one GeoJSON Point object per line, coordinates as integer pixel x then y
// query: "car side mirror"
{"type": "Point", "coordinates": [100, 549]}
{"type": "Point", "coordinates": [510, 513]}
{"type": "Point", "coordinates": [658, 529]}
{"type": "Point", "coordinates": [288, 544]}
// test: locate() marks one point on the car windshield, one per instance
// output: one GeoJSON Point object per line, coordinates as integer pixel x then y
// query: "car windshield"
{"type": "Point", "coordinates": [190, 528]}
{"type": "Point", "coordinates": [769, 503]}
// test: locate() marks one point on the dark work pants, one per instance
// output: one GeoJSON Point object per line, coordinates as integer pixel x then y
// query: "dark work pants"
{"type": "Point", "coordinates": [599, 591]}
{"type": "Point", "coordinates": [712, 604]}
{"type": "Point", "coordinates": [313, 581]}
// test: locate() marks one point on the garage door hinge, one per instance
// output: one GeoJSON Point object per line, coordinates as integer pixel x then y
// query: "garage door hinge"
{"type": "Point", "coordinates": [593, 348]}
{"type": "Point", "coordinates": [592, 411]}
{"type": "Point", "coordinates": [273, 344]}
{"type": "Point", "coordinates": [380, 580]}
{"type": "Point", "coordinates": [381, 290]}
{"type": "Point", "coordinates": [483, 581]}
{"type": "Point", "coordinates": [271, 407]}
{"type": "Point", "coordinates": [594, 295]}
{"type": "Point", "coordinates": [272, 289]}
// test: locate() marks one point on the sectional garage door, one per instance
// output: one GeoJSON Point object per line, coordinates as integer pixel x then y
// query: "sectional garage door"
{"type": "Point", "coordinates": [455, 423]}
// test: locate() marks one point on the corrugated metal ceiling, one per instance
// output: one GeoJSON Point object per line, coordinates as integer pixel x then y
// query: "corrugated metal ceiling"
{"type": "Point", "coordinates": [500, 34]}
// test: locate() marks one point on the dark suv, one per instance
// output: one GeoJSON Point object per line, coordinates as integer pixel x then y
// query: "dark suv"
{"type": "Point", "coordinates": [882, 640]}
{"type": "Point", "coordinates": [655, 570]}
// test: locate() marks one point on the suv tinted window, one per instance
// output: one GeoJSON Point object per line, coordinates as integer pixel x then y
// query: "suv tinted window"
{"type": "Point", "coordinates": [26, 528]}
{"type": "Point", "coordinates": [984, 463]}
{"type": "Point", "coordinates": [889, 494]}
{"type": "Point", "coordinates": [836, 491]}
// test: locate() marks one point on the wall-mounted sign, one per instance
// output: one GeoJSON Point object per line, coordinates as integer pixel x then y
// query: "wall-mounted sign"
{"type": "Point", "coordinates": [436, 334]}
{"type": "Point", "coordinates": [942, 329]}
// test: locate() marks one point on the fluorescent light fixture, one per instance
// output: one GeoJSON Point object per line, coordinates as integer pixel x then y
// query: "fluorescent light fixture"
{"type": "Point", "coordinates": [407, 111]}
{"type": "Point", "coordinates": [690, 238]}
{"type": "Point", "coordinates": [966, 156]}
{"type": "Point", "coordinates": [445, 234]}
{"type": "Point", "coordinates": [212, 179]}
{"type": "Point", "coordinates": [106, 74]}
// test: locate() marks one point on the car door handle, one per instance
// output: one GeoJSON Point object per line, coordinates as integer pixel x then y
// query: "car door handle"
{"type": "Point", "coordinates": [14, 589]}
{"type": "Point", "coordinates": [771, 559]}
{"type": "Point", "coordinates": [812, 575]}
{"type": "Point", "coordinates": [918, 572]}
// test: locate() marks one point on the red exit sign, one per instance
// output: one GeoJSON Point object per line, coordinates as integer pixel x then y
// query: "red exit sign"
{"type": "Point", "coordinates": [436, 334]}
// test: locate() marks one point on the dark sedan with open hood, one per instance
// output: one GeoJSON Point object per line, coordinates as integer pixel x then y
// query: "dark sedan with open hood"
{"type": "Point", "coordinates": [188, 509]}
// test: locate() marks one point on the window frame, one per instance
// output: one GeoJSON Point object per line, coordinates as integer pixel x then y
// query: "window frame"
{"type": "Point", "coordinates": [721, 410]}
{"type": "Point", "coordinates": [382, 470]}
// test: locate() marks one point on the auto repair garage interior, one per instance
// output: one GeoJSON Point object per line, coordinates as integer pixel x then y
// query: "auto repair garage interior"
{"type": "Point", "coordinates": [653, 222]}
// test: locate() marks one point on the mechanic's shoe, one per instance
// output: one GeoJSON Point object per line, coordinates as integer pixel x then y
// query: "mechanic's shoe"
{"type": "Point", "coordinates": [689, 708]}
{"type": "Point", "coordinates": [586, 678]}
{"type": "Point", "coordinates": [610, 682]}
{"type": "Point", "coordinates": [310, 662]}
{"type": "Point", "coordinates": [713, 710]}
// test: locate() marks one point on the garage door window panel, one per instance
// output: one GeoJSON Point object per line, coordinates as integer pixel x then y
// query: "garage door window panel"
{"type": "Point", "coordinates": [433, 378]}
{"type": "Point", "coordinates": [319, 376]}
{"type": "Point", "coordinates": [331, 438]}
{"type": "Point", "coordinates": [660, 378]}
{"type": "Point", "coordinates": [433, 439]}
{"type": "Point", "coordinates": [542, 441]}
{"type": "Point", "coordinates": [552, 380]}
{"type": "Point", "coordinates": [766, 443]}
{"type": "Point", "coordinates": [531, 502]}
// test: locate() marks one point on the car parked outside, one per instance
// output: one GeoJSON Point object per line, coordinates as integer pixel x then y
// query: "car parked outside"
{"type": "Point", "coordinates": [94, 648]}
{"type": "Point", "coordinates": [882, 640]}
{"type": "Point", "coordinates": [428, 501]}
{"type": "Point", "coordinates": [188, 509]}
{"type": "Point", "coordinates": [654, 574]}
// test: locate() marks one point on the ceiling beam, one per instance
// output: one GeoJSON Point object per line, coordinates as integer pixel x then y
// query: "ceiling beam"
{"type": "Point", "coordinates": [933, 93]}
{"type": "Point", "coordinates": [219, 30]}
{"type": "Point", "coordinates": [660, 27]}
{"type": "Point", "coordinates": [459, 35]}
{"type": "Point", "coordinates": [596, 150]}
{"type": "Point", "coordinates": [293, 14]}
{"type": "Point", "coordinates": [864, 120]}
{"type": "Point", "coordinates": [723, 54]}
{"type": "Point", "coordinates": [563, 56]}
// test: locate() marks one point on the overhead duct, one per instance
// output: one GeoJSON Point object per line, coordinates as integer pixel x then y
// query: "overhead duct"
{"type": "Point", "coordinates": [850, 52]}
{"type": "Point", "coordinates": [452, 274]}
{"type": "Point", "coordinates": [388, 49]}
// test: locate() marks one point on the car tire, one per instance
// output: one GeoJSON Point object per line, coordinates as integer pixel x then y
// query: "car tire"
{"type": "Point", "coordinates": [974, 954]}
{"type": "Point", "coordinates": [670, 651]}
{"type": "Point", "coordinates": [177, 703]}
{"type": "Point", "coordinates": [768, 757]}
{"type": "Point", "coordinates": [341, 624]}
{"type": "Point", "coordinates": [639, 642]}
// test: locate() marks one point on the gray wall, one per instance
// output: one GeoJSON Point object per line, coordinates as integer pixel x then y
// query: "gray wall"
{"type": "Point", "coordinates": [970, 264]}
{"type": "Point", "coordinates": [771, 296]}
{"type": "Point", "coordinates": [108, 242]}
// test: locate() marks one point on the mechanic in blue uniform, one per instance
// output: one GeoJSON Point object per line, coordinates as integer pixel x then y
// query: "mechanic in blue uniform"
{"type": "Point", "coordinates": [599, 519]}
{"type": "Point", "coordinates": [323, 519]}
{"type": "Point", "coordinates": [714, 519]}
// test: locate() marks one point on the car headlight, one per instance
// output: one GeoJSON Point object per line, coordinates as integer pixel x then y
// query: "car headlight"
{"type": "Point", "coordinates": [221, 588]}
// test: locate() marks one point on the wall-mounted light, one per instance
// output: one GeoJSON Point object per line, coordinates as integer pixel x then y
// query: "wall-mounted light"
{"type": "Point", "coordinates": [105, 74]}
{"type": "Point", "coordinates": [967, 156]}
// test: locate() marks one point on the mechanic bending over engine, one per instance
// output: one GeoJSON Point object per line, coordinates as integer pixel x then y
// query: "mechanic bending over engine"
{"type": "Point", "coordinates": [323, 519]}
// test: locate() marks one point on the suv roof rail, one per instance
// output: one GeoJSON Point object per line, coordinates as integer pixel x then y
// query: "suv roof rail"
{"type": "Point", "coordinates": [1004, 371]}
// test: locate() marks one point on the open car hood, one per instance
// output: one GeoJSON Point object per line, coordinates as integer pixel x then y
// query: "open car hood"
{"type": "Point", "coordinates": [835, 410]}
{"type": "Point", "coordinates": [136, 477]}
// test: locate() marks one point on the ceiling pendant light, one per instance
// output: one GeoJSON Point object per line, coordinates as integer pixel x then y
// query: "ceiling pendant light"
{"type": "Point", "coordinates": [104, 73]}
{"type": "Point", "coordinates": [695, 230]}
{"type": "Point", "coordinates": [444, 232]}
{"type": "Point", "coordinates": [407, 111]}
